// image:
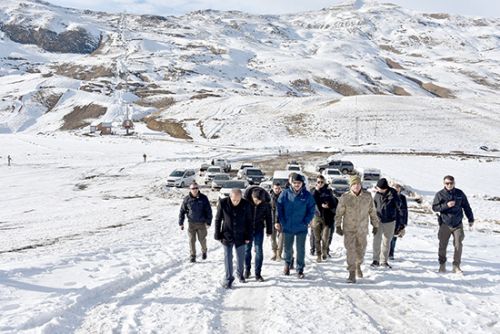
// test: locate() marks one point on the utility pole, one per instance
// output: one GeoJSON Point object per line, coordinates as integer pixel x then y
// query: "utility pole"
{"type": "Point", "coordinates": [357, 130]}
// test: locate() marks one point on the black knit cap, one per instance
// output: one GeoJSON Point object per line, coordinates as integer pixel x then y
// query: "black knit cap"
{"type": "Point", "coordinates": [383, 184]}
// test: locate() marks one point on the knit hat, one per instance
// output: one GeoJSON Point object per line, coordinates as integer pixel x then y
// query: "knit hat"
{"type": "Point", "coordinates": [354, 180]}
{"type": "Point", "coordinates": [297, 177]}
{"type": "Point", "coordinates": [382, 184]}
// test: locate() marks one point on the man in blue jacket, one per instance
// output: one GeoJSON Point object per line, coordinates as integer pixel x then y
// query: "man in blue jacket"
{"type": "Point", "coordinates": [199, 213]}
{"type": "Point", "coordinates": [451, 203]}
{"type": "Point", "coordinates": [296, 207]}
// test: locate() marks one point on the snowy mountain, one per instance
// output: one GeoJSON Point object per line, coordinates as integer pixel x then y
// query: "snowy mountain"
{"type": "Point", "coordinates": [156, 62]}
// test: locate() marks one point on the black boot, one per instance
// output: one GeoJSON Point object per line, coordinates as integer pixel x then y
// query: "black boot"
{"type": "Point", "coordinates": [192, 259]}
{"type": "Point", "coordinates": [204, 256]}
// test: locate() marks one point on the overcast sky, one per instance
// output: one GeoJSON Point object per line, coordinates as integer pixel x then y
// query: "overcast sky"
{"type": "Point", "coordinates": [489, 8]}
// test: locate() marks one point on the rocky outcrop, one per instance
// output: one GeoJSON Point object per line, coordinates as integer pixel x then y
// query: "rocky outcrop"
{"type": "Point", "coordinates": [71, 41]}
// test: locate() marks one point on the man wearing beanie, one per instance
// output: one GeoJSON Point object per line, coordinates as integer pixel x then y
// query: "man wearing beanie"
{"type": "Point", "coordinates": [296, 208]}
{"type": "Point", "coordinates": [355, 210]}
{"type": "Point", "coordinates": [388, 205]}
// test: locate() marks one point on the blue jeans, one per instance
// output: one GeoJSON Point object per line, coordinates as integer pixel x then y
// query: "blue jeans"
{"type": "Point", "coordinates": [228, 261]}
{"type": "Point", "coordinates": [300, 245]}
{"type": "Point", "coordinates": [393, 246]}
{"type": "Point", "coordinates": [258, 240]}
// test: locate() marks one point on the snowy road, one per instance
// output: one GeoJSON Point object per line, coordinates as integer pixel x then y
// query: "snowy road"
{"type": "Point", "coordinates": [103, 254]}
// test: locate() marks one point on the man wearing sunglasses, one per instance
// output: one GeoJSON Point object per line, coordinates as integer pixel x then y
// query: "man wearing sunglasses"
{"type": "Point", "coordinates": [199, 213]}
{"type": "Point", "coordinates": [324, 217]}
{"type": "Point", "coordinates": [450, 203]}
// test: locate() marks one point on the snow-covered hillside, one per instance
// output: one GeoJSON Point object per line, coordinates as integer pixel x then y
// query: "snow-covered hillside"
{"type": "Point", "coordinates": [360, 48]}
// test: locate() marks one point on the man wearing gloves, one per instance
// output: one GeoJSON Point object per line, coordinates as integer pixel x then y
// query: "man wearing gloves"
{"type": "Point", "coordinates": [354, 211]}
{"type": "Point", "coordinates": [451, 203]}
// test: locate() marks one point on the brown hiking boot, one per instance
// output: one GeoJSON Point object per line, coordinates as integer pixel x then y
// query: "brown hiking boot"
{"type": "Point", "coordinates": [318, 258]}
{"type": "Point", "coordinates": [352, 277]}
{"type": "Point", "coordinates": [359, 273]}
{"type": "Point", "coordinates": [442, 267]}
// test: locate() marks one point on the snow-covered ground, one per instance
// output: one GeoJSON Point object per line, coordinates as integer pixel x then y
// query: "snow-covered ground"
{"type": "Point", "coordinates": [90, 244]}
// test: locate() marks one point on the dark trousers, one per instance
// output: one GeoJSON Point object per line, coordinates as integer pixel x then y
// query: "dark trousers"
{"type": "Point", "coordinates": [258, 240]}
{"type": "Point", "coordinates": [393, 246]}
{"type": "Point", "coordinates": [228, 261]}
{"type": "Point", "coordinates": [444, 234]}
{"type": "Point", "coordinates": [300, 245]}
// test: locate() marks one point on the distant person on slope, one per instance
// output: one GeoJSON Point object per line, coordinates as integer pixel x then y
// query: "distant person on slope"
{"type": "Point", "coordinates": [261, 219]}
{"type": "Point", "coordinates": [401, 221]}
{"type": "Point", "coordinates": [388, 205]}
{"type": "Point", "coordinates": [324, 218]}
{"type": "Point", "coordinates": [233, 228]}
{"type": "Point", "coordinates": [199, 213]}
{"type": "Point", "coordinates": [9, 160]}
{"type": "Point", "coordinates": [277, 236]}
{"type": "Point", "coordinates": [351, 220]}
{"type": "Point", "coordinates": [296, 208]}
{"type": "Point", "coordinates": [451, 203]}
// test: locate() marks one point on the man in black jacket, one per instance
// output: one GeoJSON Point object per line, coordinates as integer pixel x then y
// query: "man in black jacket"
{"type": "Point", "coordinates": [199, 213]}
{"type": "Point", "coordinates": [451, 203]}
{"type": "Point", "coordinates": [324, 217]}
{"type": "Point", "coordinates": [388, 207]}
{"type": "Point", "coordinates": [233, 228]}
{"type": "Point", "coordinates": [401, 221]}
{"type": "Point", "coordinates": [261, 219]}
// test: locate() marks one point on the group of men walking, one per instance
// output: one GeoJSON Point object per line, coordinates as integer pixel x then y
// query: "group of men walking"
{"type": "Point", "coordinates": [285, 213]}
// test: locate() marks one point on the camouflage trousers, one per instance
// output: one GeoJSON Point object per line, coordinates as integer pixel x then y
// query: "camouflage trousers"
{"type": "Point", "coordinates": [355, 245]}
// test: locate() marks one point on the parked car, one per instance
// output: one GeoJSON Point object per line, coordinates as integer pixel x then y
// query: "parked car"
{"type": "Point", "coordinates": [226, 189]}
{"type": "Point", "coordinates": [332, 173]}
{"type": "Point", "coordinates": [345, 167]}
{"type": "Point", "coordinates": [340, 186]}
{"type": "Point", "coordinates": [211, 171]}
{"type": "Point", "coordinates": [293, 167]}
{"type": "Point", "coordinates": [281, 176]}
{"type": "Point", "coordinates": [252, 175]}
{"type": "Point", "coordinates": [224, 163]}
{"type": "Point", "coordinates": [369, 177]}
{"type": "Point", "coordinates": [181, 178]}
{"type": "Point", "coordinates": [244, 165]}
{"type": "Point", "coordinates": [219, 180]}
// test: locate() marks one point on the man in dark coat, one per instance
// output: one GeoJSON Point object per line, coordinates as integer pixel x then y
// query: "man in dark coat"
{"type": "Point", "coordinates": [233, 228]}
{"type": "Point", "coordinates": [261, 219]}
{"type": "Point", "coordinates": [324, 217]}
{"type": "Point", "coordinates": [296, 208]}
{"type": "Point", "coordinates": [199, 213]}
{"type": "Point", "coordinates": [401, 221]}
{"type": "Point", "coordinates": [388, 207]}
{"type": "Point", "coordinates": [451, 203]}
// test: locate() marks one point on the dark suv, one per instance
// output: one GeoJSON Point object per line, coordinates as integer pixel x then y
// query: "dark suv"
{"type": "Point", "coordinates": [345, 167]}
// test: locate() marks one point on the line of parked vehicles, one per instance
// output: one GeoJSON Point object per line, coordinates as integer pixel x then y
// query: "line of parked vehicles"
{"type": "Point", "coordinates": [219, 176]}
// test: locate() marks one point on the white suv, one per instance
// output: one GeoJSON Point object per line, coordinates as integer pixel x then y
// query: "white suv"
{"type": "Point", "coordinates": [181, 178]}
